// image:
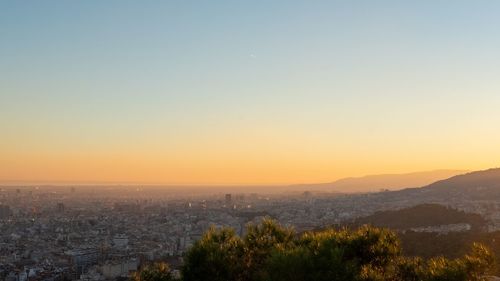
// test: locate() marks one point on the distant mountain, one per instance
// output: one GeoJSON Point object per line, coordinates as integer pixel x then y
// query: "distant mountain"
{"type": "Point", "coordinates": [479, 179]}
{"type": "Point", "coordinates": [375, 183]}
{"type": "Point", "coordinates": [477, 185]}
{"type": "Point", "coordinates": [473, 186]}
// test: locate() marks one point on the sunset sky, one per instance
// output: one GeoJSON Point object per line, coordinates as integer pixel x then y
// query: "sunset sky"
{"type": "Point", "coordinates": [246, 92]}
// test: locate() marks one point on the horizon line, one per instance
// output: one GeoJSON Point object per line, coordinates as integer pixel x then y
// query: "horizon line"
{"type": "Point", "coordinates": [132, 183]}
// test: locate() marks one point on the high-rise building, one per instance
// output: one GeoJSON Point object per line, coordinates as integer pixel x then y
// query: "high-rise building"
{"type": "Point", "coordinates": [60, 207]}
{"type": "Point", "coordinates": [5, 211]}
{"type": "Point", "coordinates": [228, 199]}
{"type": "Point", "coordinates": [82, 259]}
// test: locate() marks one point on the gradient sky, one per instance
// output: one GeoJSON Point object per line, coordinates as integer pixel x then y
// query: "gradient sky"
{"type": "Point", "coordinates": [246, 92]}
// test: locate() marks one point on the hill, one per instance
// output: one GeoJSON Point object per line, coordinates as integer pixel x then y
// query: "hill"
{"type": "Point", "coordinates": [423, 215]}
{"type": "Point", "coordinates": [479, 185]}
{"type": "Point", "coordinates": [486, 178]}
{"type": "Point", "coordinates": [375, 183]}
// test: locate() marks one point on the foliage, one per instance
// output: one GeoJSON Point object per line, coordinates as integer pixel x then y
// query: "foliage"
{"type": "Point", "coordinates": [270, 252]}
{"type": "Point", "coordinates": [336, 255]}
{"type": "Point", "coordinates": [451, 245]}
{"type": "Point", "coordinates": [260, 242]}
{"type": "Point", "coordinates": [217, 256]}
{"type": "Point", "coordinates": [154, 272]}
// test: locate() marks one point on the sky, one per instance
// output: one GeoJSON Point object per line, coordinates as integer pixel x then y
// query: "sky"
{"type": "Point", "coordinates": [246, 92]}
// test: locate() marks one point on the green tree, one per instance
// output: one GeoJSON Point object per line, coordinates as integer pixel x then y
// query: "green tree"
{"type": "Point", "coordinates": [335, 255]}
{"type": "Point", "coordinates": [218, 256]}
{"type": "Point", "coordinates": [259, 242]}
{"type": "Point", "coordinates": [472, 267]}
{"type": "Point", "coordinates": [270, 252]}
{"type": "Point", "coordinates": [153, 272]}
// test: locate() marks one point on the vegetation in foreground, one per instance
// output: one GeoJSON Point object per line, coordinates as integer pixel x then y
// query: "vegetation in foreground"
{"type": "Point", "coordinates": [270, 252]}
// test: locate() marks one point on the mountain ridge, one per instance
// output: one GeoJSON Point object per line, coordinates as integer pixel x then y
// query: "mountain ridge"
{"type": "Point", "coordinates": [392, 182]}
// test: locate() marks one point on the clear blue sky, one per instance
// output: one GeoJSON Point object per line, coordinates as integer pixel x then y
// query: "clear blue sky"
{"type": "Point", "coordinates": [246, 91]}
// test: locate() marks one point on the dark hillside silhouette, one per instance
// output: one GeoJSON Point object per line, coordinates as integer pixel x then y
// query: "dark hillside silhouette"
{"type": "Point", "coordinates": [422, 216]}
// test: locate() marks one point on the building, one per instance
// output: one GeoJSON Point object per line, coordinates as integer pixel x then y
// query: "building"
{"type": "Point", "coordinates": [120, 241]}
{"type": "Point", "coordinates": [228, 199]}
{"type": "Point", "coordinates": [115, 269]}
{"type": "Point", "coordinates": [5, 211]}
{"type": "Point", "coordinates": [82, 259]}
{"type": "Point", "coordinates": [60, 207]}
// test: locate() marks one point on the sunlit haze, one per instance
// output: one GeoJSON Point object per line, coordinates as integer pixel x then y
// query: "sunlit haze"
{"type": "Point", "coordinates": [255, 92]}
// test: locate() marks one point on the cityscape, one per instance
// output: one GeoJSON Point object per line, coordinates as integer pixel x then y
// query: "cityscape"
{"type": "Point", "coordinates": [108, 232]}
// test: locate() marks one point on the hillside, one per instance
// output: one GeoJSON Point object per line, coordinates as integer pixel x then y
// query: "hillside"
{"type": "Point", "coordinates": [422, 216]}
{"type": "Point", "coordinates": [480, 185]}
{"type": "Point", "coordinates": [485, 178]}
{"type": "Point", "coordinates": [375, 183]}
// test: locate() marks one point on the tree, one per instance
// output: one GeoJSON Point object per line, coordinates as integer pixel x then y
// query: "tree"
{"type": "Point", "coordinates": [336, 255]}
{"type": "Point", "coordinates": [153, 272]}
{"type": "Point", "coordinates": [218, 256]}
{"type": "Point", "coordinates": [260, 242]}
{"type": "Point", "coordinates": [270, 252]}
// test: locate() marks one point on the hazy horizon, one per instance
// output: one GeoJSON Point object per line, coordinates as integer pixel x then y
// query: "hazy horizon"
{"type": "Point", "coordinates": [402, 180]}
